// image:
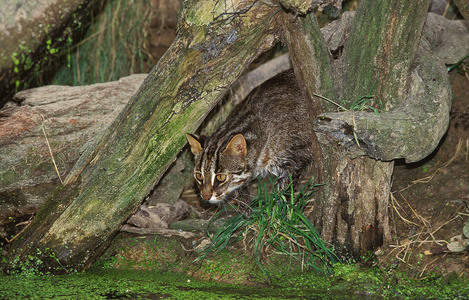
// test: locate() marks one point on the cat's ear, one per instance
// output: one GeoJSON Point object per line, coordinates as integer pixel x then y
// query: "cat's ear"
{"type": "Point", "coordinates": [196, 146]}
{"type": "Point", "coordinates": [236, 147]}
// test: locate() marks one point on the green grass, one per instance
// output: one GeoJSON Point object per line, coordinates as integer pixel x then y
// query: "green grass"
{"type": "Point", "coordinates": [276, 221]}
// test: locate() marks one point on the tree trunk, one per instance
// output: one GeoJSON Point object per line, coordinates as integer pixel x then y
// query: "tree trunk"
{"type": "Point", "coordinates": [41, 139]}
{"type": "Point", "coordinates": [376, 59]}
{"type": "Point", "coordinates": [111, 178]}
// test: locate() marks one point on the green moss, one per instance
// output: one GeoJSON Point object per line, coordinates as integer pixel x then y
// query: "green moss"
{"type": "Point", "coordinates": [353, 280]}
{"type": "Point", "coordinates": [163, 256]}
{"type": "Point", "coordinates": [201, 12]}
{"type": "Point", "coordinates": [231, 267]}
{"type": "Point", "coordinates": [8, 177]}
{"type": "Point", "coordinates": [32, 264]}
{"type": "Point", "coordinates": [349, 282]}
{"type": "Point", "coordinates": [104, 284]}
{"type": "Point", "coordinates": [147, 254]}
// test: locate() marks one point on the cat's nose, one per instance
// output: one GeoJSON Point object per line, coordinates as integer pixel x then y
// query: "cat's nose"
{"type": "Point", "coordinates": [206, 196]}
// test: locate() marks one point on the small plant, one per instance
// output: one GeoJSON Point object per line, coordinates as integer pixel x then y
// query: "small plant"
{"type": "Point", "coordinates": [362, 103]}
{"type": "Point", "coordinates": [365, 103]}
{"type": "Point", "coordinates": [32, 265]}
{"type": "Point", "coordinates": [276, 221]}
{"type": "Point", "coordinates": [460, 65]}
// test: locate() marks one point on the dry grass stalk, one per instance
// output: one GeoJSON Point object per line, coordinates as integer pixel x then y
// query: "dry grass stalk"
{"type": "Point", "coordinates": [404, 249]}
{"type": "Point", "coordinates": [50, 149]}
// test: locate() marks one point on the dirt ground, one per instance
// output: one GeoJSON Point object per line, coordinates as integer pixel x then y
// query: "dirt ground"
{"type": "Point", "coordinates": [430, 199]}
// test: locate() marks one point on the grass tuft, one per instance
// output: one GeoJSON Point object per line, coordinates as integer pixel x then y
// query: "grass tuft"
{"type": "Point", "coordinates": [276, 221]}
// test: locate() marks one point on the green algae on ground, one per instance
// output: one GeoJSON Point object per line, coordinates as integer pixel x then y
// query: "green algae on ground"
{"type": "Point", "coordinates": [240, 274]}
{"type": "Point", "coordinates": [159, 268]}
{"type": "Point", "coordinates": [132, 284]}
{"type": "Point", "coordinates": [349, 281]}
{"type": "Point", "coordinates": [106, 284]}
{"type": "Point", "coordinates": [354, 282]}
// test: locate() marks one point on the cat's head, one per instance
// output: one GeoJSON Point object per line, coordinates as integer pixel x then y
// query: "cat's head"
{"type": "Point", "coordinates": [219, 169]}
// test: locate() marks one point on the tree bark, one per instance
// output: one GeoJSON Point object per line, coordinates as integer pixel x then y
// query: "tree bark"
{"type": "Point", "coordinates": [42, 137]}
{"type": "Point", "coordinates": [416, 127]}
{"type": "Point", "coordinates": [391, 42]}
{"type": "Point", "coordinates": [361, 185]}
{"type": "Point", "coordinates": [373, 57]}
{"type": "Point", "coordinates": [111, 178]}
{"type": "Point", "coordinates": [463, 7]}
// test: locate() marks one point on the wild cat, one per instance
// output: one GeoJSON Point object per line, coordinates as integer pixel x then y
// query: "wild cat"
{"type": "Point", "coordinates": [269, 132]}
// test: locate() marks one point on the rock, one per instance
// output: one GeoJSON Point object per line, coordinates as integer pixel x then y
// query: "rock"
{"type": "Point", "coordinates": [160, 215]}
{"type": "Point", "coordinates": [42, 136]}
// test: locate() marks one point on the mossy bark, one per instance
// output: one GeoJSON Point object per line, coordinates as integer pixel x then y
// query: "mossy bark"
{"type": "Point", "coordinates": [381, 48]}
{"type": "Point", "coordinates": [356, 149]}
{"type": "Point", "coordinates": [314, 70]}
{"type": "Point", "coordinates": [415, 127]}
{"type": "Point", "coordinates": [115, 173]}
{"type": "Point", "coordinates": [378, 53]}
{"type": "Point", "coordinates": [463, 7]}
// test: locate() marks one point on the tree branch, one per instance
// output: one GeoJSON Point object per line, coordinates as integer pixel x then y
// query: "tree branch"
{"type": "Point", "coordinates": [411, 131]}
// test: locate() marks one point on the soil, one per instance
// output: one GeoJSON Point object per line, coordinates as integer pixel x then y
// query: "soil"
{"type": "Point", "coordinates": [430, 199]}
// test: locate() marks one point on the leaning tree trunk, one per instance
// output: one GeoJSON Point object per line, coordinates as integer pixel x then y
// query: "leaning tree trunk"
{"type": "Point", "coordinates": [121, 167]}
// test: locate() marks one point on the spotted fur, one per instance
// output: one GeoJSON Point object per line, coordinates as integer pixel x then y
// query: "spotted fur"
{"type": "Point", "coordinates": [270, 132]}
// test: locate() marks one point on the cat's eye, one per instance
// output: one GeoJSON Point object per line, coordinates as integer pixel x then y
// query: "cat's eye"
{"type": "Point", "coordinates": [199, 176]}
{"type": "Point", "coordinates": [221, 177]}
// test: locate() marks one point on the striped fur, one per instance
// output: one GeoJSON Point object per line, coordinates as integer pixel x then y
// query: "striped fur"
{"type": "Point", "coordinates": [270, 132]}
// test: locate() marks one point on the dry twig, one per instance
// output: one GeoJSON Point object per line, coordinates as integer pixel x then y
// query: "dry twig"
{"type": "Point", "coordinates": [50, 149]}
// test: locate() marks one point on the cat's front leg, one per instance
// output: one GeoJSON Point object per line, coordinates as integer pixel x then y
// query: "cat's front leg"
{"type": "Point", "coordinates": [283, 181]}
{"type": "Point", "coordinates": [241, 197]}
